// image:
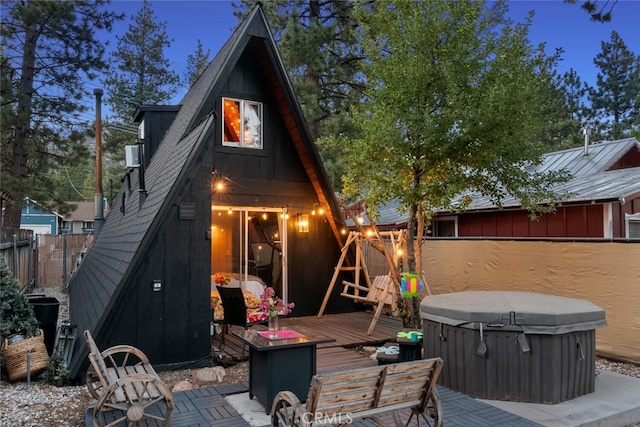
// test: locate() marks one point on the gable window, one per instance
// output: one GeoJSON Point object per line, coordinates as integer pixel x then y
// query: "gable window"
{"type": "Point", "coordinates": [242, 123]}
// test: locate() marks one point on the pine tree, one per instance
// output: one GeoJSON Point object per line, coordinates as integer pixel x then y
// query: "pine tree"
{"type": "Point", "coordinates": [613, 99]}
{"type": "Point", "coordinates": [573, 115]}
{"type": "Point", "coordinates": [599, 12]}
{"type": "Point", "coordinates": [140, 73]}
{"type": "Point", "coordinates": [47, 50]}
{"type": "Point", "coordinates": [196, 63]}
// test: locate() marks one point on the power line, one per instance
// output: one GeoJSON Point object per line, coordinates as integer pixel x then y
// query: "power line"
{"type": "Point", "coordinates": [73, 186]}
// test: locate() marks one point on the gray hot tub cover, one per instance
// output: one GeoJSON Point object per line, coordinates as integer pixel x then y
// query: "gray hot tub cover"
{"type": "Point", "coordinates": [535, 313]}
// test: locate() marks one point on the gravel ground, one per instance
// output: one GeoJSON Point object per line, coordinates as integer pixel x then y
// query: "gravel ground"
{"type": "Point", "coordinates": [45, 405]}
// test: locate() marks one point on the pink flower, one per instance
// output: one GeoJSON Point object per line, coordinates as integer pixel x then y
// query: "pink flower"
{"type": "Point", "coordinates": [271, 304]}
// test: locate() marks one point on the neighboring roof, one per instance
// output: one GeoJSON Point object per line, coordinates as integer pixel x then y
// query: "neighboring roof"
{"type": "Point", "coordinates": [84, 211]}
{"type": "Point", "coordinates": [598, 187]}
{"type": "Point", "coordinates": [45, 210]}
{"type": "Point", "coordinates": [5, 195]}
{"type": "Point", "coordinates": [592, 181]}
{"type": "Point", "coordinates": [599, 158]}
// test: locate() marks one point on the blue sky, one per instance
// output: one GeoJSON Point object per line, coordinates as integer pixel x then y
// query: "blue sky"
{"type": "Point", "coordinates": [557, 23]}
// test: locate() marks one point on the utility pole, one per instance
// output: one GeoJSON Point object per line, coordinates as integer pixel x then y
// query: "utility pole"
{"type": "Point", "coordinates": [99, 196]}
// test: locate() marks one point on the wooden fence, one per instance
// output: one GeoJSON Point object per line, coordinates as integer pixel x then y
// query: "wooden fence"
{"type": "Point", "coordinates": [46, 260]}
{"type": "Point", "coordinates": [17, 247]}
{"type": "Point", "coordinates": [58, 256]}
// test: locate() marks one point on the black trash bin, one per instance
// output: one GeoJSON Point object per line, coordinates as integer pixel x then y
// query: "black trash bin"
{"type": "Point", "coordinates": [46, 311]}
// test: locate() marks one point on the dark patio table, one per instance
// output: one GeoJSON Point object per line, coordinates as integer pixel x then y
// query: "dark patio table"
{"type": "Point", "coordinates": [285, 363]}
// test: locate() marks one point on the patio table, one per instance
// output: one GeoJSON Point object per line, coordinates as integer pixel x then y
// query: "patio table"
{"type": "Point", "coordinates": [285, 363]}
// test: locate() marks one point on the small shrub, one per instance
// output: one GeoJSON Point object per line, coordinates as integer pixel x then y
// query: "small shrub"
{"type": "Point", "coordinates": [16, 314]}
{"type": "Point", "coordinates": [57, 370]}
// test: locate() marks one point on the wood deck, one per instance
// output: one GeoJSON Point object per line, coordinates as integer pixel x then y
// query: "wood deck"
{"type": "Point", "coordinates": [349, 330]}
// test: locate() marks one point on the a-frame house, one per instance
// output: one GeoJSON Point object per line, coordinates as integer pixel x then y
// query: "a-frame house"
{"type": "Point", "coordinates": [146, 280]}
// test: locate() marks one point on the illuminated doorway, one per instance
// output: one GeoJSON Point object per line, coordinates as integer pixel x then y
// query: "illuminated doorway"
{"type": "Point", "coordinates": [250, 243]}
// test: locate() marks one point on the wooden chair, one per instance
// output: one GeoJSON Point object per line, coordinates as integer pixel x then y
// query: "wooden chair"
{"type": "Point", "coordinates": [123, 381]}
{"type": "Point", "coordinates": [236, 311]}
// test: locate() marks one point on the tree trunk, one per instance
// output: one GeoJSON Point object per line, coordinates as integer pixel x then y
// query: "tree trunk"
{"type": "Point", "coordinates": [18, 168]}
{"type": "Point", "coordinates": [413, 320]}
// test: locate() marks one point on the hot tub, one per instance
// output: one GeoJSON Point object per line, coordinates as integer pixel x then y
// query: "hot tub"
{"type": "Point", "coordinates": [514, 346]}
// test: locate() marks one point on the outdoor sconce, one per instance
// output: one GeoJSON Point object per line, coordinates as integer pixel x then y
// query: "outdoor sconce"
{"type": "Point", "coordinates": [303, 223]}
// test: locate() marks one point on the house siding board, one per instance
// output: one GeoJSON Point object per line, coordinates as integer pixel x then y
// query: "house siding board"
{"type": "Point", "coordinates": [618, 220]}
{"type": "Point", "coordinates": [538, 227]}
{"type": "Point", "coordinates": [520, 224]}
{"type": "Point", "coordinates": [309, 279]}
{"type": "Point", "coordinates": [595, 221]}
{"type": "Point", "coordinates": [504, 225]}
{"type": "Point", "coordinates": [463, 226]}
{"type": "Point", "coordinates": [576, 221]}
{"type": "Point", "coordinates": [556, 223]}
{"type": "Point", "coordinates": [489, 225]}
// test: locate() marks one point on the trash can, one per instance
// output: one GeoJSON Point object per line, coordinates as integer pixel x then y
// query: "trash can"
{"type": "Point", "coordinates": [46, 311]}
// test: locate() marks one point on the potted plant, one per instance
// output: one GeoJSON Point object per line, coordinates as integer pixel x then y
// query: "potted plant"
{"type": "Point", "coordinates": [22, 341]}
{"type": "Point", "coordinates": [57, 371]}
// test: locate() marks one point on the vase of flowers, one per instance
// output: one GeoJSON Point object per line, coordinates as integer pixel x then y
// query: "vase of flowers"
{"type": "Point", "coordinates": [273, 306]}
{"type": "Point", "coordinates": [221, 279]}
{"type": "Point", "coordinates": [273, 326]}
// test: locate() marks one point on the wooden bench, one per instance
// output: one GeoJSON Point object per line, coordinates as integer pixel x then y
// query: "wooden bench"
{"type": "Point", "coordinates": [341, 397]}
{"type": "Point", "coordinates": [121, 379]}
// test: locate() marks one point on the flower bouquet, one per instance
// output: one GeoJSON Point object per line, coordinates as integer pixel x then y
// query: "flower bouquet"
{"type": "Point", "coordinates": [221, 279]}
{"type": "Point", "coordinates": [273, 305]}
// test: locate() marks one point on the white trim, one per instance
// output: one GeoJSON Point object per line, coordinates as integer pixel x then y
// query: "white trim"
{"type": "Point", "coordinates": [248, 116]}
{"type": "Point", "coordinates": [607, 220]}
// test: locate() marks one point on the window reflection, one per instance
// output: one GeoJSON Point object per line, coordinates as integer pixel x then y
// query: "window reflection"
{"type": "Point", "coordinates": [248, 113]}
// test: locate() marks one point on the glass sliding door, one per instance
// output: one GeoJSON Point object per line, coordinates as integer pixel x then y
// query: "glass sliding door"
{"type": "Point", "coordinates": [250, 244]}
